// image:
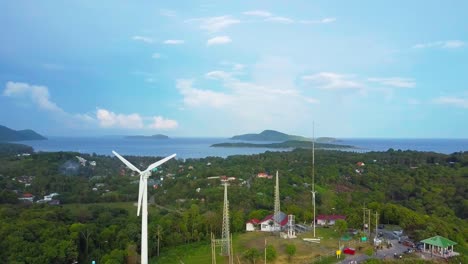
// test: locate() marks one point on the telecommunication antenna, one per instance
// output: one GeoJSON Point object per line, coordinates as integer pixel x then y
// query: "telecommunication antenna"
{"type": "Point", "coordinates": [276, 216]}
{"type": "Point", "coordinates": [226, 240]}
{"type": "Point", "coordinates": [226, 246]}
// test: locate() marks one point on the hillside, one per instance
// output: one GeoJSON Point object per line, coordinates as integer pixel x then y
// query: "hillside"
{"type": "Point", "coordinates": [269, 135]}
{"type": "Point", "coordinates": [13, 149]}
{"type": "Point", "coordinates": [8, 134]}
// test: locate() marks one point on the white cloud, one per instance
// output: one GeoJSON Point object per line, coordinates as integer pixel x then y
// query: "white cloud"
{"type": "Point", "coordinates": [326, 20]}
{"type": "Point", "coordinates": [311, 100]}
{"type": "Point", "coordinates": [258, 13]}
{"type": "Point", "coordinates": [279, 19]}
{"type": "Point", "coordinates": [167, 13]}
{"type": "Point", "coordinates": [447, 44]}
{"type": "Point", "coordinates": [194, 97]}
{"type": "Point", "coordinates": [143, 39]}
{"type": "Point", "coordinates": [39, 95]}
{"type": "Point", "coordinates": [156, 56]}
{"type": "Point", "coordinates": [174, 41]}
{"type": "Point", "coordinates": [271, 99]}
{"type": "Point", "coordinates": [109, 119]}
{"type": "Point", "coordinates": [334, 81]}
{"type": "Point", "coordinates": [452, 100]}
{"type": "Point", "coordinates": [218, 40]}
{"type": "Point", "coordinates": [215, 24]}
{"type": "Point", "coordinates": [394, 82]}
{"type": "Point", "coordinates": [218, 75]}
{"type": "Point", "coordinates": [160, 122]}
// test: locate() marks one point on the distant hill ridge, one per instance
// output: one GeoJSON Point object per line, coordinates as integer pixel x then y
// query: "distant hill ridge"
{"type": "Point", "coordinates": [270, 135]}
{"type": "Point", "coordinates": [8, 134]}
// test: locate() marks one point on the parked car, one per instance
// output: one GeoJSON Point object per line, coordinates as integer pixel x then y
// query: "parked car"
{"type": "Point", "coordinates": [419, 246]}
{"type": "Point", "coordinates": [349, 251]}
{"type": "Point", "coordinates": [408, 243]}
{"type": "Point", "coordinates": [381, 226]}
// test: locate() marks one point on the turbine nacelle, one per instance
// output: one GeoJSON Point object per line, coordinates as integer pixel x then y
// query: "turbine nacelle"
{"type": "Point", "coordinates": [144, 175]}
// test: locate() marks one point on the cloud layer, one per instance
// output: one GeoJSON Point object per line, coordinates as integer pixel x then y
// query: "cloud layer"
{"type": "Point", "coordinates": [219, 40]}
{"type": "Point", "coordinates": [39, 96]}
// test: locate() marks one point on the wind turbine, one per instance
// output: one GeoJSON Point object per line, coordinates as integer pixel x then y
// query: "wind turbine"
{"type": "Point", "coordinates": [143, 198]}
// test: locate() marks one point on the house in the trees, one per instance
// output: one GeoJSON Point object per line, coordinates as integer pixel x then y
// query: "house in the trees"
{"type": "Point", "coordinates": [264, 175]}
{"type": "Point", "coordinates": [27, 197]}
{"type": "Point", "coordinates": [328, 219]}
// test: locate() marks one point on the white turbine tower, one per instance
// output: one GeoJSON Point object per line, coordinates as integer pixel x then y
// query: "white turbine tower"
{"type": "Point", "coordinates": [143, 198]}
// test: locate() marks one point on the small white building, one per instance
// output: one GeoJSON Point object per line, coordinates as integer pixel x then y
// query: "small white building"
{"type": "Point", "coordinates": [50, 196]}
{"type": "Point", "coordinates": [252, 225]}
{"type": "Point", "coordinates": [328, 219]}
{"type": "Point", "coordinates": [267, 224]}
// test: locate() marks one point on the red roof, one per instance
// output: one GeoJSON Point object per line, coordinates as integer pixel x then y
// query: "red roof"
{"type": "Point", "coordinates": [27, 195]}
{"type": "Point", "coordinates": [254, 221]}
{"type": "Point", "coordinates": [331, 217]}
{"type": "Point", "coordinates": [270, 217]}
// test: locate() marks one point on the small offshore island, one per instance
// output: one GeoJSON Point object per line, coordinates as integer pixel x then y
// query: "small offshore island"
{"type": "Point", "coordinates": [289, 141]}
{"type": "Point", "coordinates": [285, 144]}
{"type": "Point", "coordinates": [158, 136]}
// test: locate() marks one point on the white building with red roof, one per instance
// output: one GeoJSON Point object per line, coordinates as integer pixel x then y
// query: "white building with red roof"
{"type": "Point", "coordinates": [328, 219]}
{"type": "Point", "coordinates": [267, 224]}
{"type": "Point", "coordinates": [252, 225]}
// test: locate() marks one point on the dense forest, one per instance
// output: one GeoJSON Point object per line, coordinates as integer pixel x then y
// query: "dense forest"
{"type": "Point", "coordinates": [425, 193]}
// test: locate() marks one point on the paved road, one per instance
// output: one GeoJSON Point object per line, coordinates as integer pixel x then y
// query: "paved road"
{"type": "Point", "coordinates": [386, 253]}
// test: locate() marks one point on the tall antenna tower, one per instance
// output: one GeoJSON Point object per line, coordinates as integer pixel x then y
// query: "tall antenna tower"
{"type": "Point", "coordinates": [313, 172]}
{"type": "Point", "coordinates": [226, 241]}
{"type": "Point", "coordinates": [277, 216]}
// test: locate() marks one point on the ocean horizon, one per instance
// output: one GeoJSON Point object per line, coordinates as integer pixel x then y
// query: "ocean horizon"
{"type": "Point", "coordinates": [198, 147]}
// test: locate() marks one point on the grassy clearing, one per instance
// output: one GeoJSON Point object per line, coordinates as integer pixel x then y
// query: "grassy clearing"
{"type": "Point", "coordinates": [194, 253]}
{"type": "Point", "coordinates": [306, 252]}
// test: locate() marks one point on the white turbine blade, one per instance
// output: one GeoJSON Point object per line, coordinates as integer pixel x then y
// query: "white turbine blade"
{"type": "Point", "coordinates": [157, 163]}
{"type": "Point", "coordinates": [140, 194]}
{"type": "Point", "coordinates": [129, 165]}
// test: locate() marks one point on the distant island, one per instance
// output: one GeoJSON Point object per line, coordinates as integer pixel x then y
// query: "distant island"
{"type": "Point", "coordinates": [8, 134]}
{"type": "Point", "coordinates": [272, 135]}
{"type": "Point", "coordinates": [158, 136]}
{"type": "Point", "coordinates": [269, 135]}
{"type": "Point", "coordinates": [285, 144]}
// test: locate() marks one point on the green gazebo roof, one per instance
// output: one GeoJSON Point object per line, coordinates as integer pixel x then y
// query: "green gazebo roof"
{"type": "Point", "coordinates": [439, 241]}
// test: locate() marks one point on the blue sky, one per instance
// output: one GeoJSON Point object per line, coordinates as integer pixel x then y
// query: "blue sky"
{"type": "Point", "coordinates": [394, 69]}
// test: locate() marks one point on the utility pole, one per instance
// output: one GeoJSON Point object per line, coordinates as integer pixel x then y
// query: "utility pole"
{"type": "Point", "coordinates": [369, 229]}
{"type": "Point", "coordinates": [159, 237]}
{"type": "Point", "coordinates": [265, 249]}
{"type": "Point", "coordinates": [364, 219]}
{"type": "Point", "coordinates": [376, 223]}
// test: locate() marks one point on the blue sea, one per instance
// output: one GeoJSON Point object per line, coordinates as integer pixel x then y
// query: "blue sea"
{"type": "Point", "coordinates": [200, 147]}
